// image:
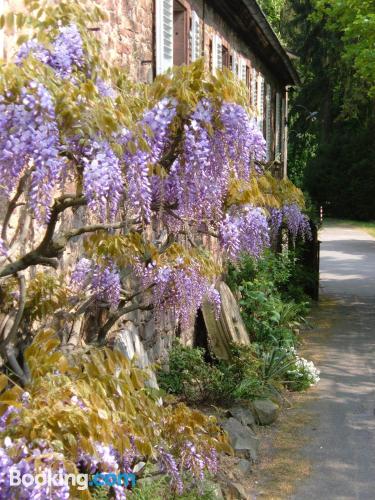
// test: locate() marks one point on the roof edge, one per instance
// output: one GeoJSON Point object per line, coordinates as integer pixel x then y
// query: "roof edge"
{"type": "Point", "coordinates": [263, 23]}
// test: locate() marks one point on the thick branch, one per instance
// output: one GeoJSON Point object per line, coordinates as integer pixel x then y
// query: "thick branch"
{"type": "Point", "coordinates": [12, 206]}
{"type": "Point", "coordinates": [51, 249]}
{"type": "Point", "coordinates": [117, 315]}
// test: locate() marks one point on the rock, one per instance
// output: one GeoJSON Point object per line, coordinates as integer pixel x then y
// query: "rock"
{"type": "Point", "coordinates": [230, 327]}
{"type": "Point", "coordinates": [235, 491]}
{"type": "Point", "coordinates": [242, 439]}
{"type": "Point", "coordinates": [244, 466]}
{"type": "Point", "coordinates": [138, 469]}
{"type": "Point", "coordinates": [243, 415]}
{"type": "Point", "coordinates": [266, 411]}
{"type": "Point", "coordinates": [129, 343]}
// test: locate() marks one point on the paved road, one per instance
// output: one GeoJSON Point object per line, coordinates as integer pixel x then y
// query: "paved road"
{"type": "Point", "coordinates": [342, 448]}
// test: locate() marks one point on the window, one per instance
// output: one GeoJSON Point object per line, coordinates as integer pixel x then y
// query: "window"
{"type": "Point", "coordinates": [195, 37]}
{"type": "Point", "coordinates": [247, 76]}
{"type": "Point", "coordinates": [210, 56]}
{"type": "Point", "coordinates": [225, 57]}
{"type": "Point", "coordinates": [179, 34]}
{"type": "Point", "coordinates": [164, 35]}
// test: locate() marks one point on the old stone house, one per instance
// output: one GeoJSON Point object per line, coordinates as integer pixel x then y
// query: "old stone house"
{"type": "Point", "coordinates": [147, 37]}
{"type": "Point", "coordinates": [150, 36]}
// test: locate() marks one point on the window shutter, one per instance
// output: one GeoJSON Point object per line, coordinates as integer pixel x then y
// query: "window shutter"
{"type": "Point", "coordinates": [164, 35]}
{"type": "Point", "coordinates": [282, 126]}
{"type": "Point", "coordinates": [243, 70]}
{"type": "Point", "coordinates": [217, 54]}
{"type": "Point", "coordinates": [234, 62]}
{"type": "Point", "coordinates": [195, 37]}
{"type": "Point", "coordinates": [254, 88]}
{"type": "Point", "coordinates": [260, 100]}
{"type": "Point", "coordinates": [268, 121]}
{"type": "Point", "coordinates": [277, 124]}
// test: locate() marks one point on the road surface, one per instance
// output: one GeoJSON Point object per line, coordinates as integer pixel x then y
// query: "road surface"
{"type": "Point", "coordinates": [342, 444]}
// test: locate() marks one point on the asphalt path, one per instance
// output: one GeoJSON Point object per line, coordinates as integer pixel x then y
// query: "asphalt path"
{"type": "Point", "coordinates": [341, 447]}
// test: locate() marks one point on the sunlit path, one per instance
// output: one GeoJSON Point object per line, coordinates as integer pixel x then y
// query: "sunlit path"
{"type": "Point", "coordinates": [342, 446]}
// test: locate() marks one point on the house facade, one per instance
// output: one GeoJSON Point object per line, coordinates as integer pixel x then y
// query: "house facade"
{"type": "Point", "coordinates": [148, 37]}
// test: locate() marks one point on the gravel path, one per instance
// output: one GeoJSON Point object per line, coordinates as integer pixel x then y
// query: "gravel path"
{"type": "Point", "coordinates": [342, 445]}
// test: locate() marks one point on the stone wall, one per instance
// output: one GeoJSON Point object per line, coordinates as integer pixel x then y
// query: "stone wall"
{"type": "Point", "coordinates": [128, 39]}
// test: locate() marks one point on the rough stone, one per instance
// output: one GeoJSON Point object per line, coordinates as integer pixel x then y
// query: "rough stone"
{"type": "Point", "coordinates": [244, 466]}
{"type": "Point", "coordinates": [242, 439]}
{"type": "Point", "coordinates": [243, 415]}
{"type": "Point", "coordinates": [235, 491]}
{"type": "Point", "coordinates": [266, 411]}
{"type": "Point", "coordinates": [229, 328]}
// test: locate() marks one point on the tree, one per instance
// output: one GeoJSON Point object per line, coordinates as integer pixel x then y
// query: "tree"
{"type": "Point", "coordinates": [128, 177]}
{"type": "Point", "coordinates": [332, 113]}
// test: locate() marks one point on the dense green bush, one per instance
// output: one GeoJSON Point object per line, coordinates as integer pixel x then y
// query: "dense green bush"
{"type": "Point", "coordinates": [250, 373]}
{"type": "Point", "coordinates": [273, 306]}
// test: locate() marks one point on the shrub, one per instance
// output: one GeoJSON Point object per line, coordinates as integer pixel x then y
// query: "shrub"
{"type": "Point", "coordinates": [270, 314]}
{"type": "Point", "coordinates": [189, 376]}
{"type": "Point", "coordinates": [250, 373]}
{"type": "Point", "coordinates": [97, 414]}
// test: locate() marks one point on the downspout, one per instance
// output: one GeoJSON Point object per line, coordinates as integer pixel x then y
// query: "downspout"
{"type": "Point", "coordinates": [285, 166]}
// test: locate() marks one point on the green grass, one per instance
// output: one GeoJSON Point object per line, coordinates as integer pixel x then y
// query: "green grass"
{"type": "Point", "coordinates": [368, 226]}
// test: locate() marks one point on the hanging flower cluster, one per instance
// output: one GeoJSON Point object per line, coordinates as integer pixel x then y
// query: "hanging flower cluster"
{"type": "Point", "coordinates": [102, 281]}
{"type": "Point", "coordinates": [29, 139]}
{"type": "Point", "coordinates": [179, 289]}
{"type": "Point", "coordinates": [296, 222]}
{"type": "Point", "coordinates": [66, 53]}
{"type": "Point", "coordinates": [246, 231]}
{"type": "Point", "coordinates": [102, 180]}
{"type": "Point", "coordinates": [155, 136]}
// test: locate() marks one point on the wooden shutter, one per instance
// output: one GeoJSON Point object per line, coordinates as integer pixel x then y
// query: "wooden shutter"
{"type": "Point", "coordinates": [254, 79]}
{"type": "Point", "coordinates": [235, 63]}
{"type": "Point", "coordinates": [164, 35]}
{"type": "Point", "coordinates": [277, 124]}
{"type": "Point", "coordinates": [195, 37]}
{"type": "Point", "coordinates": [217, 54]}
{"type": "Point", "coordinates": [282, 126]}
{"type": "Point", "coordinates": [268, 121]}
{"type": "Point", "coordinates": [260, 100]}
{"type": "Point", "coordinates": [242, 74]}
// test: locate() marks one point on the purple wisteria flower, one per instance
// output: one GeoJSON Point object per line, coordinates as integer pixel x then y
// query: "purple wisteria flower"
{"type": "Point", "coordinates": [105, 89]}
{"type": "Point", "coordinates": [29, 137]}
{"type": "Point", "coordinates": [179, 290]}
{"type": "Point", "coordinates": [102, 180]}
{"type": "Point", "coordinates": [3, 249]}
{"type": "Point", "coordinates": [21, 457]}
{"type": "Point", "coordinates": [244, 231]}
{"type": "Point", "coordinates": [155, 127]}
{"type": "Point", "coordinates": [103, 281]}
{"type": "Point", "coordinates": [297, 223]}
{"type": "Point", "coordinates": [169, 466]}
{"type": "Point", "coordinates": [66, 52]}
